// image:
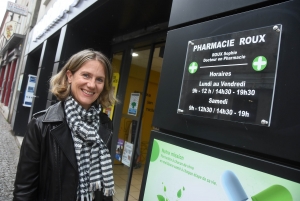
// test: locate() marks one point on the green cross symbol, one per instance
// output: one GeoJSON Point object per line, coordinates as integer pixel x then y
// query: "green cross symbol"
{"type": "Point", "coordinates": [193, 67]}
{"type": "Point", "coordinates": [259, 63]}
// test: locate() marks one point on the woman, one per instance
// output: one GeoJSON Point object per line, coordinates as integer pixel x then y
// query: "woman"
{"type": "Point", "coordinates": [65, 151]}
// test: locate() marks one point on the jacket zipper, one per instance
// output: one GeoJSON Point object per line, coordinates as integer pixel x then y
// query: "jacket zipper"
{"type": "Point", "coordinates": [108, 138]}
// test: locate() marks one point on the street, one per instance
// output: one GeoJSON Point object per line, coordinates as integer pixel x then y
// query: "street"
{"type": "Point", "coordinates": [9, 155]}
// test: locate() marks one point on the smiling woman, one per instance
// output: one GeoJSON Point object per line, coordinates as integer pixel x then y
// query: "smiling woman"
{"type": "Point", "coordinates": [73, 133]}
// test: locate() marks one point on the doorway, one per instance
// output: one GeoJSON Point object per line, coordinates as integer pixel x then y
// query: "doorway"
{"type": "Point", "coordinates": [137, 110]}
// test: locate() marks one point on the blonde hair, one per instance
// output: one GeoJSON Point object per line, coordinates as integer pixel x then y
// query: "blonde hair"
{"type": "Point", "coordinates": [60, 87]}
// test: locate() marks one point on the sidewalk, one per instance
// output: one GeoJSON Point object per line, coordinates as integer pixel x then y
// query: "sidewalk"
{"type": "Point", "coordinates": [19, 140]}
{"type": "Point", "coordinates": [9, 157]}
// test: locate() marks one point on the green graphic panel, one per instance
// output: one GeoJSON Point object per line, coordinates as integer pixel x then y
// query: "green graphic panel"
{"type": "Point", "coordinates": [274, 193]}
{"type": "Point", "coordinates": [155, 151]}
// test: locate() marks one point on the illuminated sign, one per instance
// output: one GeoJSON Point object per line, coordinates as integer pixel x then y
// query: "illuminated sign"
{"type": "Point", "coordinates": [16, 8]}
{"type": "Point", "coordinates": [54, 14]}
{"type": "Point", "coordinates": [178, 169]}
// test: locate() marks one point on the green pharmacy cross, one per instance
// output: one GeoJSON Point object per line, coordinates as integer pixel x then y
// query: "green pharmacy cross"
{"type": "Point", "coordinates": [259, 63]}
{"type": "Point", "coordinates": [193, 67]}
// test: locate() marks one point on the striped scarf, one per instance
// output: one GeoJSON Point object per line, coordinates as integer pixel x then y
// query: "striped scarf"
{"type": "Point", "coordinates": [93, 157]}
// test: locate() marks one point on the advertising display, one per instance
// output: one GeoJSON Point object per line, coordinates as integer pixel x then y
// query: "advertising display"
{"type": "Point", "coordinates": [232, 76]}
{"type": "Point", "coordinates": [119, 149]}
{"type": "Point", "coordinates": [178, 169]}
{"type": "Point", "coordinates": [29, 92]}
{"type": "Point", "coordinates": [133, 104]}
{"type": "Point", "coordinates": [127, 153]}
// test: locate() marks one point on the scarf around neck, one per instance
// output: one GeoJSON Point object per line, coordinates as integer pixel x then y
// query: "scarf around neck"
{"type": "Point", "coordinates": [93, 157]}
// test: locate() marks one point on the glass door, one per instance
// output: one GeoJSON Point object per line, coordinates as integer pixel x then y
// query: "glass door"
{"type": "Point", "coordinates": [138, 105]}
{"type": "Point", "coordinates": [131, 114]}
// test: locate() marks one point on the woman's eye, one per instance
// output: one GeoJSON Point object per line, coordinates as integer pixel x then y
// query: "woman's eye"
{"type": "Point", "coordinates": [100, 80]}
{"type": "Point", "coordinates": [85, 75]}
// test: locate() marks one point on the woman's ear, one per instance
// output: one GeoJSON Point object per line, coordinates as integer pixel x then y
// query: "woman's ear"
{"type": "Point", "coordinates": [70, 76]}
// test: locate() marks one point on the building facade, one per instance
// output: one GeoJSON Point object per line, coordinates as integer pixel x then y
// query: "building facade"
{"type": "Point", "coordinates": [115, 28]}
{"type": "Point", "coordinates": [154, 47]}
{"type": "Point", "coordinates": [20, 16]}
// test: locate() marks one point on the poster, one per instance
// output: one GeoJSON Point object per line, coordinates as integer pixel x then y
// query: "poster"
{"type": "Point", "coordinates": [127, 153]}
{"type": "Point", "coordinates": [119, 149]}
{"type": "Point", "coordinates": [133, 104]}
{"type": "Point", "coordinates": [177, 173]}
{"type": "Point", "coordinates": [29, 91]}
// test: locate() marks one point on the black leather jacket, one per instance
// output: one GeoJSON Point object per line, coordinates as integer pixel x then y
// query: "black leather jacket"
{"type": "Point", "coordinates": [47, 169]}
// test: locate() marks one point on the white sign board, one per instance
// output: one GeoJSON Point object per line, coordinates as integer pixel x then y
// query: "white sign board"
{"type": "Point", "coordinates": [53, 16]}
{"type": "Point", "coordinates": [133, 104]}
{"type": "Point", "coordinates": [127, 153]}
{"type": "Point", "coordinates": [29, 92]}
{"type": "Point", "coordinates": [16, 8]}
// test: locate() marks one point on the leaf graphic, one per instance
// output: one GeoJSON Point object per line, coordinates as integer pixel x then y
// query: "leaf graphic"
{"type": "Point", "coordinates": [179, 194]}
{"type": "Point", "coordinates": [165, 188]}
{"type": "Point", "coordinates": [183, 188]}
{"type": "Point", "coordinates": [161, 198]}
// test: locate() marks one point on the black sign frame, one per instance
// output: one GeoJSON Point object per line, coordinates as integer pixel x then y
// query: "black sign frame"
{"type": "Point", "coordinates": [232, 76]}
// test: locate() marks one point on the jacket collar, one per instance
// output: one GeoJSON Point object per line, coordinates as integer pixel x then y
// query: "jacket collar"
{"type": "Point", "coordinates": [56, 113]}
{"type": "Point", "coordinates": [61, 132]}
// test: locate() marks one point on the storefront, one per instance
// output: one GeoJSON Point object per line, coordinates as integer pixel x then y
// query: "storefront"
{"type": "Point", "coordinates": [12, 36]}
{"type": "Point", "coordinates": [132, 35]}
{"type": "Point", "coordinates": [227, 105]}
{"type": "Point", "coordinates": [172, 103]}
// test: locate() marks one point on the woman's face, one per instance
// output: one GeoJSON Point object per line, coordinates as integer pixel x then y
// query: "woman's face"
{"type": "Point", "coordinates": [87, 83]}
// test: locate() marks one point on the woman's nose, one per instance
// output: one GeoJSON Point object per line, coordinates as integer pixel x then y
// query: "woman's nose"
{"type": "Point", "coordinates": [91, 84]}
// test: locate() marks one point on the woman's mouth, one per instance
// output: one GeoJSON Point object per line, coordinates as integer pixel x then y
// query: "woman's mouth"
{"type": "Point", "coordinates": [87, 92]}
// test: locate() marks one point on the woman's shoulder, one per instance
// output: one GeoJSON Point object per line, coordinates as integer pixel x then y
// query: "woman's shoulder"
{"type": "Point", "coordinates": [39, 114]}
{"type": "Point", "coordinates": [55, 110]}
{"type": "Point", "coordinates": [104, 119]}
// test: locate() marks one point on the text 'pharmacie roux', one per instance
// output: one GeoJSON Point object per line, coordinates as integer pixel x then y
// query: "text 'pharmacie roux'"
{"type": "Point", "coordinates": [230, 43]}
